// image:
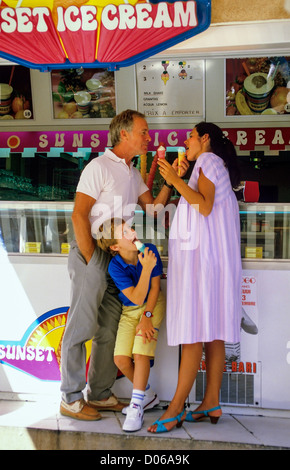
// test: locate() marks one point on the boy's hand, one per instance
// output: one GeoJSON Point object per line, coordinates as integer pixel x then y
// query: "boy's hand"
{"type": "Point", "coordinates": [147, 259]}
{"type": "Point", "coordinates": [146, 328]}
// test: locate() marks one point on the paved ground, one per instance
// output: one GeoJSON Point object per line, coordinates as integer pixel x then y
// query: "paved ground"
{"type": "Point", "coordinates": [39, 426]}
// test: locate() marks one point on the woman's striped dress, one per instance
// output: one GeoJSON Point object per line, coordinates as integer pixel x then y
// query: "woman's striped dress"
{"type": "Point", "coordinates": [204, 266]}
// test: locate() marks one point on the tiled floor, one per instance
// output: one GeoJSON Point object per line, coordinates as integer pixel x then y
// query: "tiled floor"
{"type": "Point", "coordinates": [38, 425]}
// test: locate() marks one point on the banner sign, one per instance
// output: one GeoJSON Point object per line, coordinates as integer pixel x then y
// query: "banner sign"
{"type": "Point", "coordinates": [70, 34]}
{"type": "Point", "coordinates": [96, 141]}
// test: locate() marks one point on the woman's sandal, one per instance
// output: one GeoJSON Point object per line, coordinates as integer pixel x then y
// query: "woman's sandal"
{"type": "Point", "coordinates": [162, 428]}
{"type": "Point", "coordinates": [204, 414]}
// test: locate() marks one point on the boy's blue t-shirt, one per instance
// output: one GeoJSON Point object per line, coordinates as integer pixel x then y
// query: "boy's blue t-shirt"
{"type": "Point", "coordinates": [127, 275]}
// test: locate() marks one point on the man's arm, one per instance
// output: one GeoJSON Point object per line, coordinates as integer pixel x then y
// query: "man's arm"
{"type": "Point", "coordinates": [82, 226]}
{"type": "Point", "coordinates": [147, 201]}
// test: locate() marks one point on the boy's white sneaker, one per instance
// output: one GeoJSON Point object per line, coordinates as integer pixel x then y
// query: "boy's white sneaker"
{"type": "Point", "coordinates": [134, 418]}
{"type": "Point", "coordinates": [149, 402]}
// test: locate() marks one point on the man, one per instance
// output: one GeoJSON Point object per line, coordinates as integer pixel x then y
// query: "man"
{"type": "Point", "coordinates": [108, 184]}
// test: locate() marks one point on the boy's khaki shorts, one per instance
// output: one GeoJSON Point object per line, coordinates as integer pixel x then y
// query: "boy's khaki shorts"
{"type": "Point", "coordinates": [127, 342]}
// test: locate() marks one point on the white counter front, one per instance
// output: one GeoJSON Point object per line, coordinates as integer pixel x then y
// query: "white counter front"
{"type": "Point", "coordinates": [34, 304]}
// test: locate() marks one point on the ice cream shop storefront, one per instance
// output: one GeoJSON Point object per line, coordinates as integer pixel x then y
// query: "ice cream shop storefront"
{"type": "Point", "coordinates": [55, 110]}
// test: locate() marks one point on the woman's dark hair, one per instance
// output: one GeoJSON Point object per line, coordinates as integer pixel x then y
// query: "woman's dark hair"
{"type": "Point", "coordinates": [222, 147]}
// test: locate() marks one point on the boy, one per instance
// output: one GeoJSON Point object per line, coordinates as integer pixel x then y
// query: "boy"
{"type": "Point", "coordinates": [137, 276]}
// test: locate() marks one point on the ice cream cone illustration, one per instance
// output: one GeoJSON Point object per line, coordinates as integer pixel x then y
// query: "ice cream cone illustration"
{"type": "Point", "coordinates": [165, 64]}
{"type": "Point", "coordinates": [182, 74]}
{"type": "Point", "coordinates": [165, 77]}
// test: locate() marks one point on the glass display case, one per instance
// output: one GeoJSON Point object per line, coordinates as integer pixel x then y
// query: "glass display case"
{"type": "Point", "coordinates": [46, 227]}
{"type": "Point", "coordinates": [36, 227]}
{"type": "Point", "coordinates": [265, 231]}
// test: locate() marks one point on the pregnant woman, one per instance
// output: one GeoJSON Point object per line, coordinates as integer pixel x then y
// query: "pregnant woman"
{"type": "Point", "coordinates": [204, 270]}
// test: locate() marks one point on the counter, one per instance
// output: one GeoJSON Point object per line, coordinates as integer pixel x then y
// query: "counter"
{"type": "Point", "coordinates": [35, 297]}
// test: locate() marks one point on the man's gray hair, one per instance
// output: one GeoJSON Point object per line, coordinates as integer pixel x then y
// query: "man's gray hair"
{"type": "Point", "coordinates": [123, 120]}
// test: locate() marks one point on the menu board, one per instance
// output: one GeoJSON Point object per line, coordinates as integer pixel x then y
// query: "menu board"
{"type": "Point", "coordinates": [171, 88]}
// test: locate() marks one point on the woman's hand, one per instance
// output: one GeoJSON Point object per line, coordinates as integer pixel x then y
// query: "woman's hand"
{"type": "Point", "coordinates": [182, 167]}
{"type": "Point", "coordinates": [170, 172]}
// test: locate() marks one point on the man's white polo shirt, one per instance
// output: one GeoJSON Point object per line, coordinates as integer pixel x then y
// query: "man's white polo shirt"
{"type": "Point", "coordinates": [114, 185]}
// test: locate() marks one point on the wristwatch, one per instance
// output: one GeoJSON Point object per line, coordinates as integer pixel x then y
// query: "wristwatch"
{"type": "Point", "coordinates": [148, 314]}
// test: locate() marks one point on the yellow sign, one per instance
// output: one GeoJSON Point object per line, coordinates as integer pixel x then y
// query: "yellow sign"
{"type": "Point", "coordinates": [32, 247]}
{"type": "Point", "coordinates": [65, 247]}
{"type": "Point", "coordinates": [254, 252]}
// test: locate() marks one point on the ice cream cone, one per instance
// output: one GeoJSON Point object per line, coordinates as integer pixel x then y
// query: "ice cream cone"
{"type": "Point", "coordinates": [181, 157]}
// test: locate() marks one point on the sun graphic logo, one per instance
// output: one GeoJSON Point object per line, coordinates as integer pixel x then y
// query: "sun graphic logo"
{"type": "Point", "coordinates": [49, 334]}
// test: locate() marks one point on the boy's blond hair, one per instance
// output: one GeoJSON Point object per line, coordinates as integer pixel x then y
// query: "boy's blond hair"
{"type": "Point", "coordinates": [106, 236]}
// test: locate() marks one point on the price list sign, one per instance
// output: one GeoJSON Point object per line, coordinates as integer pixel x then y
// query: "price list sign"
{"type": "Point", "coordinates": [171, 88]}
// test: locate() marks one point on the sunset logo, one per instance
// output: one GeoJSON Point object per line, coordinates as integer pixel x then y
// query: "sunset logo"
{"type": "Point", "coordinates": [38, 352]}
